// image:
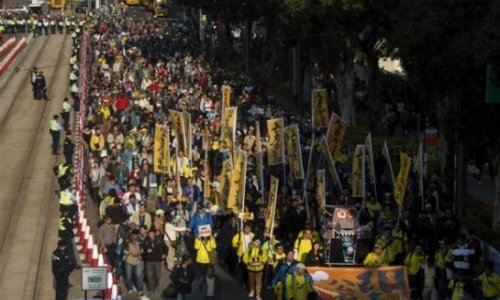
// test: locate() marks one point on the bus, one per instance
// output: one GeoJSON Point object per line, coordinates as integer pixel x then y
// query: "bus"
{"type": "Point", "coordinates": [57, 4]}
{"type": "Point", "coordinates": [159, 8]}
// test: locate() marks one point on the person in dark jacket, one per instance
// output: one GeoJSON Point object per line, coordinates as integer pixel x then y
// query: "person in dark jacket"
{"type": "Point", "coordinates": [61, 269]}
{"type": "Point", "coordinates": [154, 254]}
{"type": "Point", "coordinates": [68, 148]}
{"type": "Point", "coordinates": [315, 257]}
{"type": "Point", "coordinates": [183, 277]}
{"type": "Point", "coordinates": [210, 286]}
{"type": "Point", "coordinates": [116, 212]}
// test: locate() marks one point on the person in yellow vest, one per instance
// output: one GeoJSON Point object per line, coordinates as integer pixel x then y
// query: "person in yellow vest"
{"type": "Point", "coordinates": [373, 208]}
{"type": "Point", "coordinates": [240, 244]}
{"type": "Point", "coordinates": [456, 287]}
{"type": "Point", "coordinates": [63, 173]}
{"type": "Point", "coordinates": [490, 282]}
{"type": "Point", "coordinates": [255, 259]}
{"type": "Point", "coordinates": [376, 258]}
{"type": "Point", "coordinates": [97, 142]}
{"type": "Point", "coordinates": [303, 245]}
{"type": "Point", "coordinates": [415, 263]}
{"type": "Point", "coordinates": [203, 246]}
{"type": "Point", "coordinates": [386, 240]}
{"type": "Point", "coordinates": [440, 261]}
{"type": "Point", "coordinates": [55, 131]}
{"type": "Point", "coordinates": [314, 234]}
{"type": "Point", "coordinates": [275, 251]}
{"type": "Point", "coordinates": [67, 201]}
{"type": "Point", "coordinates": [298, 284]}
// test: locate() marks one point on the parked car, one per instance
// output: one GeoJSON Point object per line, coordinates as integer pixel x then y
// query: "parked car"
{"type": "Point", "coordinates": [18, 8]}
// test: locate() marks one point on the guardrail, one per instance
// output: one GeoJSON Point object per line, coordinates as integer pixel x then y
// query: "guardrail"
{"type": "Point", "coordinates": [7, 46]}
{"type": "Point", "coordinates": [14, 52]}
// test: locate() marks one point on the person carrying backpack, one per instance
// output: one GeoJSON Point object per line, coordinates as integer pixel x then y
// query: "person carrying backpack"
{"type": "Point", "coordinates": [255, 259]}
{"type": "Point", "coordinates": [285, 266]}
{"type": "Point", "coordinates": [299, 284]}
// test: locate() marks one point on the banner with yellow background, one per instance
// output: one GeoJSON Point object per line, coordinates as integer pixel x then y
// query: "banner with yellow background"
{"type": "Point", "coordinates": [228, 129]}
{"type": "Point", "coordinates": [320, 112]}
{"type": "Point", "coordinates": [236, 197]}
{"type": "Point", "coordinates": [335, 136]}
{"type": "Point", "coordinates": [276, 146]}
{"type": "Point", "coordinates": [177, 123]}
{"type": "Point", "coordinates": [271, 207]}
{"type": "Point", "coordinates": [161, 152]}
{"type": "Point", "coordinates": [358, 172]}
{"type": "Point", "coordinates": [293, 151]}
{"type": "Point", "coordinates": [402, 179]}
{"type": "Point", "coordinates": [225, 178]}
{"type": "Point", "coordinates": [321, 189]}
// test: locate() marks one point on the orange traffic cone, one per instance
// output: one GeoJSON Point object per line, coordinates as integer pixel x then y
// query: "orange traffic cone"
{"type": "Point", "coordinates": [95, 256]}
{"type": "Point", "coordinates": [88, 250]}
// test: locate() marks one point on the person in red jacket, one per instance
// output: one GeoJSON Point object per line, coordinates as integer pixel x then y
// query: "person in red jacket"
{"type": "Point", "coordinates": [122, 104]}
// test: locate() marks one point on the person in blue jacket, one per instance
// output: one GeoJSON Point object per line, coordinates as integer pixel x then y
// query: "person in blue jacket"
{"type": "Point", "coordinates": [201, 217]}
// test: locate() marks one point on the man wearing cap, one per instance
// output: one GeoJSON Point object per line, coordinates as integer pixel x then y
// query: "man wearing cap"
{"type": "Point", "coordinates": [376, 258]}
{"type": "Point", "coordinates": [299, 284]}
{"type": "Point", "coordinates": [201, 217]}
{"type": "Point", "coordinates": [255, 259]}
{"type": "Point", "coordinates": [55, 132]}
{"type": "Point", "coordinates": [61, 269]}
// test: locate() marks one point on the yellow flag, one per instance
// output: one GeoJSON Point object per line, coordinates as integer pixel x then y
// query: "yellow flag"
{"type": "Point", "coordinates": [236, 197]}
{"type": "Point", "coordinates": [404, 171]}
{"type": "Point", "coordinates": [271, 207]}
{"type": "Point", "coordinates": [335, 136]}
{"type": "Point", "coordinates": [331, 164]}
{"type": "Point", "coordinates": [276, 146]}
{"type": "Point", "coordinates": [293, 151]}
{"type": "Point", "coordinates": [225, 178]}
{"type": "Point", "coordinates": [320, 112]}
{"type": "Point", "coordinates": [177, 121]}
{"type": "Point", "coordinates": [226, 96]}
{"type": "Point", "coordinates": [187, 134]}
{"type": "Point", "coordinates": [358, 172]}
{"type": "Point", "coordinates": [161, 154]}
{"type": "Point", "coordinates": [320, 189]}
{"type": "Point", "coordinates": [228, 129]}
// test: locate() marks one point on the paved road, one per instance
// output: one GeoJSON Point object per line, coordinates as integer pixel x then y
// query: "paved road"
{"type": "Point", "coordinates": [27, 200]}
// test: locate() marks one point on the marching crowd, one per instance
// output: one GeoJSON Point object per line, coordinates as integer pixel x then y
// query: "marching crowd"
{"type": "Point", "coordinates": [142, 69]}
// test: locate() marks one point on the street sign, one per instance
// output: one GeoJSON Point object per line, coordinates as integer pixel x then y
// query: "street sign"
{"type": "Point", "coordinates": [94, 278]}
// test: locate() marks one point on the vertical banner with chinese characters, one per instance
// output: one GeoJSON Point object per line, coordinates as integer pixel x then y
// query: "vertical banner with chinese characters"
{"type": "Point", "coordinates": [177, 123]}
{"type": "Point", "coordinates": [228, 129]}
{"type": "Point", "coordinates": [259, 158]}
{"type": "Point", "coordinates": [186, 126]}
{"type": "Point", "coordinates": [226, 96]}
{"type": "Point", "coordinates": [358, 172]}
{"type": "Point", "coordinates": [206, 145]}
{"type": "Point", "coordinates": [161, 154]}
{"type": "Point", "coordinates": [236, 197]}
{"type": "Point", "coordinates": [321, 189]}
{"type": "Point", "coordinates": [271, 207]}
{"type": "Point", "coordinates": [293, 151]}
{"type": "Point", "coordinates": [320, 112]}
{"type": "Point", "coordinates": [276, 146]}
{"type": "Point", "coordinates": [225, 178]}
{"type": "Point", "coordinates": [404, 171]}
{"type": "Point", "coordinates": [335, 135]}
{"type": "Point", "coordinates": [370, 162]}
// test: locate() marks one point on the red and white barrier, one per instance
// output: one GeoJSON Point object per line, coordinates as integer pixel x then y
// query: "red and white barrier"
{"type": "Point", "coordinates": [7, 61]}
{"type": "Point", "coordinates": [7, 46]}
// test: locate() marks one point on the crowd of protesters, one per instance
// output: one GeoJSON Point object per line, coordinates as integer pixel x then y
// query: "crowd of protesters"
{"type": "Point", "coordinates": [142, 68]}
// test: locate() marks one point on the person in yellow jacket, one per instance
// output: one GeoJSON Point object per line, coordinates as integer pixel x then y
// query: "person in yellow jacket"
{"type": "Point", "coordinates": [275, 251]}
{"type": "Point", "coordinates": [415, 263]}
{"type": "Point", "coordinates": [456, 287]}
{"type": "Point", "coordinates": [376, 258]}
{"type": "Point", "coordinates": [490, 282]}
{"type": "Point", "coordinates": [255, 259]}
{"type": "Point", "coordinates": [97, 141]}
{"type": "Point", "coordinates": [203, 246]}
{"type": "Point", "coordinates": [240, 244]}
{"type": "Point", "coordinates": [298, 284]}
{"type": "Point", "coordinates": [303, 245]}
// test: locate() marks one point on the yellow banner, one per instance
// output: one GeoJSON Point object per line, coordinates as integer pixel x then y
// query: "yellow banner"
{"type": "Point", "coordinates": [321, 189]}
{"type": "Point", "coordinates": [236, 197]}
{"type": "Point", "coordinates": [293, 151]}
{"type": "Point", "coordinates": [161, 154]}
{"type": "Point", "coordinates": [225, 178]}
{"type": "Point", "coordinates": [226, 96]}
{"type": "Point", "coordinates": [404, 171]}
{"type": "Point", "coordinates": [320, 112]}
{"type": "Point", "coordinates": [228, 129]}
{"type": "Point", "coordinates": [335, 136]}
{"type": "Point", "coordinates": [331, 164]}
{"type": "Point", "coordinates": [358, 172]}
{"type": "Point", "coordinates": [206, 183]}
{"type": "Point", "coordinates": [276, 146]}
{"type": "Point", "coordinates": [271, 207]}
{"type": "Point", "coordinates": [177, 121]}
{"type": "Point", "coordinates": [386, 283]}
{"type": "Point", "coordinates": [259, 159]}
{"type": "Point", "coordinates": [187, 134]}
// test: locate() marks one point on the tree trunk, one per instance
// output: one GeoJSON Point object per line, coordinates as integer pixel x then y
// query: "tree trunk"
{"type": "Point", "coordinates": [345, 90]}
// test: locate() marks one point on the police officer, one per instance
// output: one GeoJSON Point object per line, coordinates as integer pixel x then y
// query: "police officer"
{"type": "Point", "coordinates": [67, 24]}
{"type": "Point", "coordinates": [55, 132]}
{"type": "Point", "coordinates": [20, 22]}
{"type": "Point", "coordinates": [67, 202]}
{"type": "Point", "coordinates": [52, 23]}
{"type": "Point", "coordinates": [62, 266]}
{"type": "Point", "coordinates": [66, 109]}
{"type": "Point", "coordinates": [41, 85]}
{"type": "Point", "coordinates": [68, 148]}
{"type": "Point", "coordinates": [60, 25]}
{"type": "Point", "coordinates": [63, 173]}
{"type": "Point", "coordinates": [46, 24]}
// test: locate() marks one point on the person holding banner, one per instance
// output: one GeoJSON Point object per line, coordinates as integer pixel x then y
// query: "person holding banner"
{"type": "Point", "coordinates": [255, 259]}
{"type": "Point", "coordinates": [205, 247]}
{"type": "Point", "coordinates": [240, 243]}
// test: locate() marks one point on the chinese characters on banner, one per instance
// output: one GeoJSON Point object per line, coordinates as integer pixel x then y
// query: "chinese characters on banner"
{"type": "Point", "coordinates": [320, 189]}
{"type": "Point", "coordinates": [276, 147]}
{"type": "Point", "coordinates": [226, 96]}
{"type": "Point", "coordinates": [271, 207]}
{"type": "Point", "coordinates": [404, 171]}
{"type": "Point", "coordinates": [225, 178]}
{"type": "Point", "coordinates": [161, 154]}
{"type": "Point", "coordinates": [335, 136]}
{"type": "Point", "coordinates": [292, 140]}
{"type": "Point", "coordinates": [186, 133]}
{"type": "Point", "coordinates": [320, 112]}
{"type": "Point", "coordinates": [236, 197]}
{"type": "Point", "coordinates": [358, 172]}
{"type": "Point", "coordinates": [228, 129]}
{"type": "Point", "coordinates": [177, 121]}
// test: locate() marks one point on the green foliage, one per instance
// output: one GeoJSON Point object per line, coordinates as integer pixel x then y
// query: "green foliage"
{"type": "Point", "coordinates": [479, 218]}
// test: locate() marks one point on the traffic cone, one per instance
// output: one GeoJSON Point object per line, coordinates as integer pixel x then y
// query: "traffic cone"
{"type": "Point", "coordinates": [114, 292]}
{"type": "Point", "coordinates": [100, 260]}
{"type": "Point", "coordinates": [108, 291]}
{"type": "Point", "coordinates": [88, 250]}
{"type": "Point", "coordinates": [95, 256]}
{"type": "Point", "coordinates": [84, 235]}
